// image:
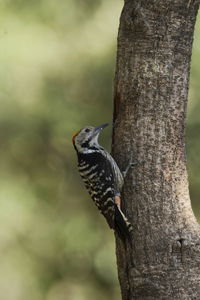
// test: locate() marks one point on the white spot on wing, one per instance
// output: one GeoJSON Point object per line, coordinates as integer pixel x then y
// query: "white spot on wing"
{"type": "Point", "coordinates": [107, 190]}
{"type": "Point", "coordinates": [85, 173]}
{"type": "Point", "coordinates": [83, 166]}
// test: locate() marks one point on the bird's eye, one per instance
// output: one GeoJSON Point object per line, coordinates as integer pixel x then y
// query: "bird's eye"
{"type": "Point", "coordinates": [87, 130]}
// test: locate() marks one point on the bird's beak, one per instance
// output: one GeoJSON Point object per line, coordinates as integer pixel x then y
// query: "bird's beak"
{"type": "Point", "coordinates": [100, 127]}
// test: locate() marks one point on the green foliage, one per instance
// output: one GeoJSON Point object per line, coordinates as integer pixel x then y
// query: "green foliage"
{"type": "Point", "coordinates": [193, 125]}
{"type": "Point", "coordinates": [57, 67]}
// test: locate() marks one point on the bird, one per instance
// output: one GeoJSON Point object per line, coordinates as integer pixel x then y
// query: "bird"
{"type": "Point", "coordinates": [102, 178]}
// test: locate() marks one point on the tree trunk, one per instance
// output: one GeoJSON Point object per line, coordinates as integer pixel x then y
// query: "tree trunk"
{"type": "Point", "coordinates": [151, 90]}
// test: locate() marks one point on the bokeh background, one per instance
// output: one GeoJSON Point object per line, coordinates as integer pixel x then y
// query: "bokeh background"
{"type": "Point", "coordinates": [57, 63]}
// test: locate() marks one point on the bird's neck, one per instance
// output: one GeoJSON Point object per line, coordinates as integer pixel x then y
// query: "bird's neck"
{"type": "Point", "coordinates": [92, 149]}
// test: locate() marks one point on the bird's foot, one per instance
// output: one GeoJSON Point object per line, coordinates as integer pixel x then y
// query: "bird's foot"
{"type": "Point", "coordinates": [130, 165]}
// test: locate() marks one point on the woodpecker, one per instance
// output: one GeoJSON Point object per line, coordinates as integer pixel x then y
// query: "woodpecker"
{"type": "Point", "coordinates": [102, 178]}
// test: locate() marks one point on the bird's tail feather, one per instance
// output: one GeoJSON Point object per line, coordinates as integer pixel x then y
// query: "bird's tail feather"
{"type": "Point", "coordinates": [122, 226]}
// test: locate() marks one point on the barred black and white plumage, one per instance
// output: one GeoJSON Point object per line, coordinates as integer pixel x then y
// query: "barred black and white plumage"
{"type": "Point", "coordinates": [102, 177]}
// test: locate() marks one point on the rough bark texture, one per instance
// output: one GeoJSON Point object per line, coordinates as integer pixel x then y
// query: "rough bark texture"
{"type": "Point", "coordinates": [151, 89]}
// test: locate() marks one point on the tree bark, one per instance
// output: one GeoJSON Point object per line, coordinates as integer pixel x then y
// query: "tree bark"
{"type": "Point", "coordinates": [150, 99]}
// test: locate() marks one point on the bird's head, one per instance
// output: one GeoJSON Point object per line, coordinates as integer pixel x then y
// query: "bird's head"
{"type": "Point", "coordinates": [87, 138]}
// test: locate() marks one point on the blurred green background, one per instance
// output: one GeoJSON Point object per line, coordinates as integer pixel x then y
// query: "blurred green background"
{"type": "Point", "coordinates": [57, 66]}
